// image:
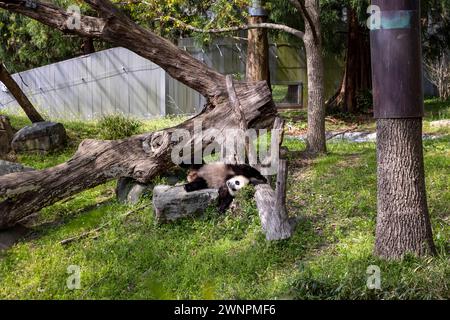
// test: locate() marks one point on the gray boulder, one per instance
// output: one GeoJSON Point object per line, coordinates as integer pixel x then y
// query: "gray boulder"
{"type": "Point", "coordinates": [40, 137]}
{"type": "Point", "coordinates": [129, 190]}
{"type": "Point", "coordinates": [7, 167]}
{"type": "Point", "coordinates": [172, 203]}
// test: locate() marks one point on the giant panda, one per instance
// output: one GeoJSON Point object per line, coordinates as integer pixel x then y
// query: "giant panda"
{"type": "Point", "coordinates": [227, 178]}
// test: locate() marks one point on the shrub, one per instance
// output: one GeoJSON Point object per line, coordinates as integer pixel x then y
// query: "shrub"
{"type": "Point", "coordinates": [364, 99]}
{"type": "Point", "coordinates": [118, 126]}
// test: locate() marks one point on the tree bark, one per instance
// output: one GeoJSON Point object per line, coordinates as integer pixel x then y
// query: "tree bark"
{"type": "Point", "coordinates": [257, 53]}
{"type": "Point", "coordinates": [316, 142]}
{"type": "Point", "coordinates": [275, 223]}
{"type": "Point", "coordinates": [18, 94]}
{"type": "Point", "coordinates": [88, 45]}
{"type": "Point", "coordinates": [403, 223]}
{"type": "Point", "coordinates": [357, 74]}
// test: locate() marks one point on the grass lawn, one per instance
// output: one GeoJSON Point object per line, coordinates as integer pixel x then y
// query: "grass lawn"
{"type": "Point", "coordinates": [227, 257]}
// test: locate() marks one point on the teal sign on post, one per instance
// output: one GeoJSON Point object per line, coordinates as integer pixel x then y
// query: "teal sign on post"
{"type": "Point", "coordinates": [396, 19]}
{"type": "Point", "coordinates": [399, 19]}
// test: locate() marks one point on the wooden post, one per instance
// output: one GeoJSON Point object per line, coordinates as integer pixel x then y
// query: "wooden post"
{"type": "Point", "coordinates": [272, 204]}
{"type": "Point", "coordinates": [280, 189]}
{"type": "Point", "coordinates": [18, 94]}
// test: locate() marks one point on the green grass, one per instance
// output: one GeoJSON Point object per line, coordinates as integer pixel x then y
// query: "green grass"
{"type": "Point", "coordinates": [227, 257]}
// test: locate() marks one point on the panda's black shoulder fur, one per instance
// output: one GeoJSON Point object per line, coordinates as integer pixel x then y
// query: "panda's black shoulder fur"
{"type": "Point", "coordinates": [246, 171]}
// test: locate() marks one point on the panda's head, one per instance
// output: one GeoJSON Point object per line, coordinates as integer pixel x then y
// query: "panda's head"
{"type": "Point", "coordinates": [236, 183]}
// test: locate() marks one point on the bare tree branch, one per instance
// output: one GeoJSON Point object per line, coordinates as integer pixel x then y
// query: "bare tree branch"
{"type": "Point", "coordinates": [299, 34]}
{"type": "Point", "coordinates": [56, 17]}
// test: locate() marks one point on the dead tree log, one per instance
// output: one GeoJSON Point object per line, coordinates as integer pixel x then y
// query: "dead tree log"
{"type": "Point", "coordinates": [140, 157]}
{"type": "Point", "coordinates": [18, 94]}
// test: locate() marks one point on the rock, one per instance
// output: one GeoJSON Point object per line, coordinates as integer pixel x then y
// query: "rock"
{"type": "Point", "coordinates": [6, 136]}
{"type": "Point", "coordinates": [172, 203]}
{"type": "Point", "coordinates": [129, 190]}
{"type": "Point", "coordinates": [7, 167]}
{"type": "Point", "coordinates": [40, 137]}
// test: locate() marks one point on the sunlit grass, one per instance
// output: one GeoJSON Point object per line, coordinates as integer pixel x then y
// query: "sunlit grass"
{"type": "Point", "coordinates": [226, 257]}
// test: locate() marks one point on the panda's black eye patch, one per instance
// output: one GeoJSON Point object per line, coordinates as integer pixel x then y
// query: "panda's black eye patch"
{"type": "Point", "coordinates": [237, 183]}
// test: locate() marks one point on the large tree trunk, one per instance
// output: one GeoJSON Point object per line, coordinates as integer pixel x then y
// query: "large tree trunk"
{"type": "Point", "coordinates": [316, 142]}
{"type": "Point", "coordinates": [403, 223]}
{"type": "Point", "coordinates": [257, 53]}
{"type": "Point", "coordinates": [18, 94]}
{"type": "Point", "coordinates": [141, 157]}
{"type": "Point", "coordinates": [357, 75]}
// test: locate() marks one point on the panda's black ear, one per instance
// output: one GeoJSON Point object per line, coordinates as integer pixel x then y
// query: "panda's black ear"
{"type": "Point", "coordinates": [255, 181]}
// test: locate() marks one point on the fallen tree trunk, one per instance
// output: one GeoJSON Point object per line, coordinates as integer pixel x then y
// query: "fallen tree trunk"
{"type": "Point", "coordinates": [140, 157]}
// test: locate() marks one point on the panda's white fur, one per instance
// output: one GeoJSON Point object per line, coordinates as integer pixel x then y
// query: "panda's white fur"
{"type": "Point", "coordinates": [236, 183]}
